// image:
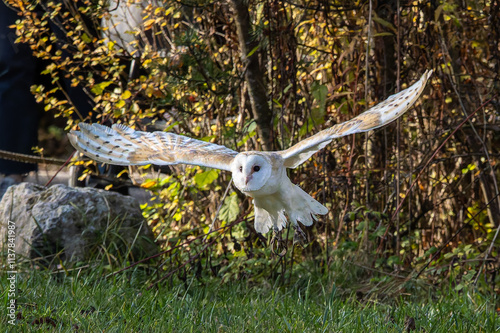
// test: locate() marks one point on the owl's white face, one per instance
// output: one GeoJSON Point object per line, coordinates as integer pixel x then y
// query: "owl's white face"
{"type": "Point", "coordinates": [250, 171]}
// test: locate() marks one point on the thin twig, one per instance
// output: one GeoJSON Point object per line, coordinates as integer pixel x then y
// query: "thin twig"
{"type": "Point", "coordinates": [60, 168]}
{"type": "Point", "coordinates": [367, 134]}
{"type": "Point", "coordinates": [376, 270]}
{"type": "Point", "coordinates": [398, 139]}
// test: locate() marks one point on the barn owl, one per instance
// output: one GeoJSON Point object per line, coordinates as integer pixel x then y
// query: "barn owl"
{"type": "Point", "coordinates": [260, 175]}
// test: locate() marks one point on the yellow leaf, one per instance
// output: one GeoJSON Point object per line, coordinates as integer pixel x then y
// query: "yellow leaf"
{"type": "Point", "coordinates": [120, 103]}
{"type": "Point", "coordinates": [126, 94]}
{"type": "Point", "coordinates": [148, 184]}
{"type": "Point", "coordinates": [169, 10]}
{"type": "Point", "coordinates": [148, 24]}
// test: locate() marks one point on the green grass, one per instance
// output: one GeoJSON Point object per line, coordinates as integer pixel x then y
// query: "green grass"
{"type": "Point", "coordinates": [89, 304]}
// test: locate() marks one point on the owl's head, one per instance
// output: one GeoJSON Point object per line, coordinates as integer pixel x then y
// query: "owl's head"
{"type": "Point", "coordinates": [251, 171]}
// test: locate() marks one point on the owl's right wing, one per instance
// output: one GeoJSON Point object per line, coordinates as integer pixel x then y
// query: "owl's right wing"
{"type": "Point", "coordinates": [122, 145]}
{"type": "Point", "coordinates": [379, 115]}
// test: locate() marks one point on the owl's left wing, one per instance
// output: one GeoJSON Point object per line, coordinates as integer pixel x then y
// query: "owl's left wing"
{"type": "Point", "coordinates": [122, 145]}
{"type": "Point", "coordinates": [375, 117]}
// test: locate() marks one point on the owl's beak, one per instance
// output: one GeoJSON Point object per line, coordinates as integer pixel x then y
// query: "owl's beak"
{"type": "Point", "coordinates": [247, 179]}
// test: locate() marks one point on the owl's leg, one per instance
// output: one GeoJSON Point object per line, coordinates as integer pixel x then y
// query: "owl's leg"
{"type": "Point", "coordinates": [299, 236]}
{"type": "Point", "coordinates": [278, 245]}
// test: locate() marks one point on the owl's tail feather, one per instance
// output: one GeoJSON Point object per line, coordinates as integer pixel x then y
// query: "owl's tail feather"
{"type": "Point", "coordinates": [303, 208]}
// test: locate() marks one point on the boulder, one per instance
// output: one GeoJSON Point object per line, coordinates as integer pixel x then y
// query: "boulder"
{"type": "Point", "coordinates": [73, 224]}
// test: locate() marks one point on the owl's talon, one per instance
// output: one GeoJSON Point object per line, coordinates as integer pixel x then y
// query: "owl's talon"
{"type": "Point", "coordinates": [299, 236]}
{"type": "Point", "coordinates": [277, 243]}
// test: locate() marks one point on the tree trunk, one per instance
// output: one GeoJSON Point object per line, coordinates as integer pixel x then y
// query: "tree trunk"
{"type": "Point", "coordinates": [253, 75]}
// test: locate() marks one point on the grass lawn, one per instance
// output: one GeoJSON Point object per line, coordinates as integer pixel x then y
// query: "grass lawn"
{"type": "Point", "coordinates": [91, 304]}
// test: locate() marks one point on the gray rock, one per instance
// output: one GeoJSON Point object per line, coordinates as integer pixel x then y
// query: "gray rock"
{"type": "Point", "coordinates": [73, 224]}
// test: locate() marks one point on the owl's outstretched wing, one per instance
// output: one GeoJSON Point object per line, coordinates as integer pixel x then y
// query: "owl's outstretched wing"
{"type": "Point", "coordinates": [122, 145]}
{"type": "Point", "coordinates": [375, 117]}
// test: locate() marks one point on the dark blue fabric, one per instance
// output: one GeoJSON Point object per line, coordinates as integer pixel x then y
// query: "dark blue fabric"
{"type": "Point", "coordinates": [19, 113]}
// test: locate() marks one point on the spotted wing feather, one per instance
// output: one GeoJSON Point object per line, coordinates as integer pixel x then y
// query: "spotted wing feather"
{"type": "Point", "coordinates": [122, 145]}
{"type": "Point", "coordinates": [375, 117]}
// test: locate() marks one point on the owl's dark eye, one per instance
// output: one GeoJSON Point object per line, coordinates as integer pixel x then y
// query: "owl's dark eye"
{"type": "Point", "coordinates": [256, 168]}
{"type": "Point", "coordinates": [241, 168]}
